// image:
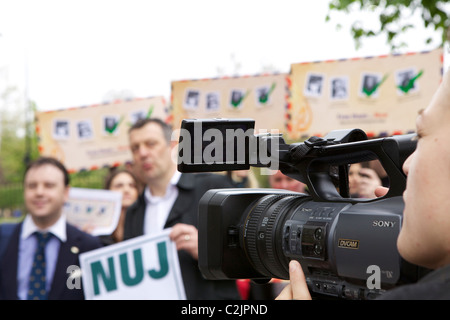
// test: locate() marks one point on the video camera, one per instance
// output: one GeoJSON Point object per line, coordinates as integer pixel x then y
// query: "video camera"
{"type": "Point", "coordinates": [346, 246]}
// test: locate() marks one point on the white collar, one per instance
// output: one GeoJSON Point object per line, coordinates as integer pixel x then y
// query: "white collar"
{"type": "Point", "coordinates": [172, 184]}
{"type": "Point", "coordinates": [175, 178]}
{"type": "Point", "coordinates": [58, 229]}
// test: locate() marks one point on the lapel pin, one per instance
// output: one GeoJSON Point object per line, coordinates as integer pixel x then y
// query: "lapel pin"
{"type": "Point", "coordinates": [74, 250]}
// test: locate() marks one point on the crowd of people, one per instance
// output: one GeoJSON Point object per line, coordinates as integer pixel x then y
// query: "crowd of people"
{"type": "Point", "coordinates": [35, 253]}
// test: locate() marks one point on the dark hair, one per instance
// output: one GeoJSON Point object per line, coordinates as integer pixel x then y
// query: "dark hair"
{"type": "Point", "coordinates": [113, 172]}
{"type": "Point", "coordinates": [51, 161]}
{"type": "Point", "coordinates": [166, 128]}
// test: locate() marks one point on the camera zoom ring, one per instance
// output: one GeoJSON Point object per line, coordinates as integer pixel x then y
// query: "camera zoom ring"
{"type": "Point", "coordinates": [272, 263]}
{"type": "Point", "coordinates": [252, 230]}
{"type": "Point", "coordinates": [269, 232]}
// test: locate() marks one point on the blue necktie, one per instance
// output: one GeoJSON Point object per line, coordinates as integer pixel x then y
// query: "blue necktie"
{"type": "Point", "coordinates": [36, 287]}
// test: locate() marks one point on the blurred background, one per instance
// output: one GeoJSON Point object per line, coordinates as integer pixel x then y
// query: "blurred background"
{"type": "Point", "coordinates": [58, 54]}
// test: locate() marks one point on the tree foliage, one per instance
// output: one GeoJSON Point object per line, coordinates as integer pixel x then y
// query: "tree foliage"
{"type": "Point", "coordinates": [392, 14]}
{"type": "Point", "coordinates": [18, 137]}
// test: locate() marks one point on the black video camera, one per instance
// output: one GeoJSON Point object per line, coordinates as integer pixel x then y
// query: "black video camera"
{"type": "Point", "coordinates": [346, 246]}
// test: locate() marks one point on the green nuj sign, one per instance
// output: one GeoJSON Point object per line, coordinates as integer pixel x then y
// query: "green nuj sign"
{"type": "Point", "coordinates": [145, 267]}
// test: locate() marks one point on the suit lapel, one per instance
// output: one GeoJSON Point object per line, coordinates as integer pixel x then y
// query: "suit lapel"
{"type": "Point", "coordinates": [67, 256]}
{"type": "Point", "coordinates": [12, 256]}
{"type": "Point", "coordinates": [183, 201]}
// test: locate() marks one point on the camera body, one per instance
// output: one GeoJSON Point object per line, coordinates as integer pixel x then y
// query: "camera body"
{"type": "Point", "coordinates": [346, 246]}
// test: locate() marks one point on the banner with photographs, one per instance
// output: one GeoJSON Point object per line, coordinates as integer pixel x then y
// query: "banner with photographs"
{"type": "Point", "coordinates": [96, 136]}
{"type": "Point", "coordinates": [380, 95]}
{"type": "Point", "coordinates": [259, 97]}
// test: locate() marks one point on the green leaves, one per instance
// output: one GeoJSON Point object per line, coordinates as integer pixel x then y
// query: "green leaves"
{"type": "Point", "coordinates": [392, 17]}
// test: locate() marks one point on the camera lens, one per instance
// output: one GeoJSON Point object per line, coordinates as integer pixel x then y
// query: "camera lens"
{"type": "Point", "coordinates": [263, 226]}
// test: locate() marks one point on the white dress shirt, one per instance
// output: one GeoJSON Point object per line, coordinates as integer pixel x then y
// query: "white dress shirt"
{"type": "Point", "coordinates": [158, 208]}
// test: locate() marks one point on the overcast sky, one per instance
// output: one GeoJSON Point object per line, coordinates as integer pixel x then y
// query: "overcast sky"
{"type": "Point", "coordinates": [72, 53]}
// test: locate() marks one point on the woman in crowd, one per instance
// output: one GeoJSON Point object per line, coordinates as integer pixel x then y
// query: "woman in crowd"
{"type": "Point", "coordinates": [122, 180]}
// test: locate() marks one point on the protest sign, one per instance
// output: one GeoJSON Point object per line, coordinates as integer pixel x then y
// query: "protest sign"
{"type": "Point", "coordinates": [142, 268]}
{"type": "Point", "coordinates": [259, 97]}
{"type": "Point", "coordinates": [93, 137]}
{"type": "Point", "coordinates": [95, 210]}
{"type": "Point", "coordinates": [380, 95]}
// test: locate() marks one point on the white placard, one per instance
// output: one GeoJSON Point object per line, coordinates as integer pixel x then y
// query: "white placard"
{"type": "Point", "coordinates": [95, 211]}
{"type": "Point", "coordinates": [142, 268]}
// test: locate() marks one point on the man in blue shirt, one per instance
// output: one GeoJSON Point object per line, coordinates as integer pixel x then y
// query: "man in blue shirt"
{"type": "Point", "coordinates": [46, 189]}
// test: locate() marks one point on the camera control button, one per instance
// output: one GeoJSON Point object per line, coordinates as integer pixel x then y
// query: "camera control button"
{"type": "Point", "coordinates": [318, 249]}
{"type": "Point", "coordinates": [318, 233]}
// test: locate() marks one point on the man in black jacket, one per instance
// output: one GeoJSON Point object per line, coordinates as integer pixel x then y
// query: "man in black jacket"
{"type": "Point", "coordinates": [170, 200]}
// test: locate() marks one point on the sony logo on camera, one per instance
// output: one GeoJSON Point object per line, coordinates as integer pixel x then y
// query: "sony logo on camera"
{"type": "Point", "coordinates": [383, 224]}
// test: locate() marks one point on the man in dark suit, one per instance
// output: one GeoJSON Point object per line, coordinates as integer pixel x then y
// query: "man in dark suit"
{"type": "Point", "coordinates": [46, 189]}
{"type": "Point", "coordinates": [170, 200]}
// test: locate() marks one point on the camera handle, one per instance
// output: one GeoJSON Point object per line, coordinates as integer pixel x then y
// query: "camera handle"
{"type": "Point", "coordinates": [313, 159]}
